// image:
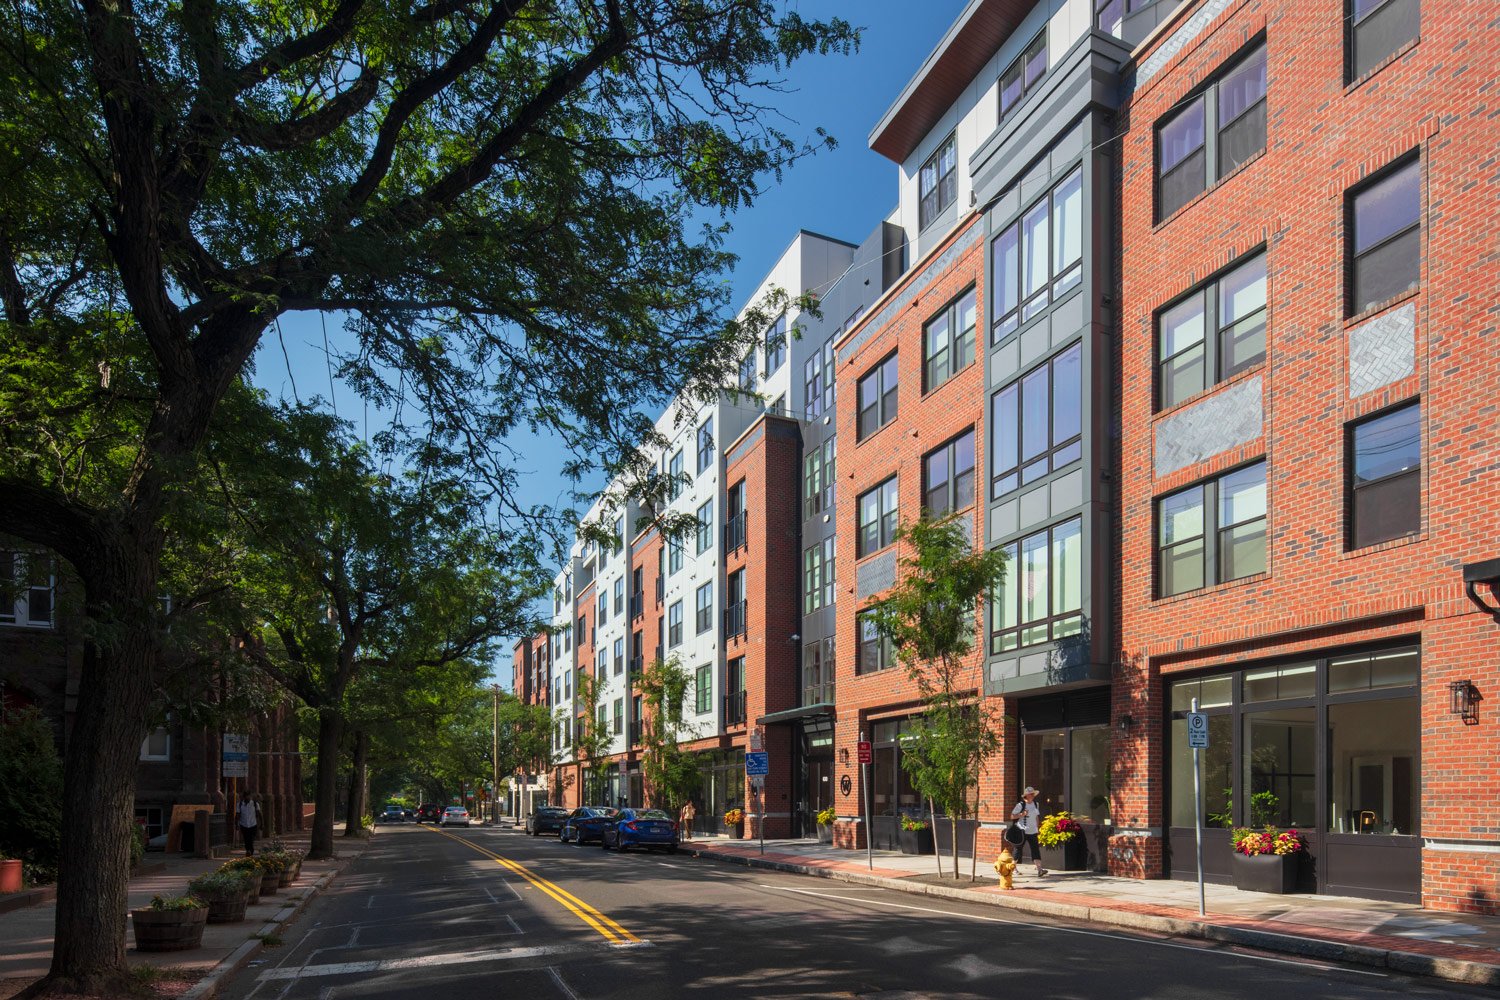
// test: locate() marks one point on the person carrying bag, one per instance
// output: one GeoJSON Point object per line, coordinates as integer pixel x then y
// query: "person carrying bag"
{"type": "Point", "coordinates": [1025, 818]}
{"type": "Point", "coordinates": [248, 816]}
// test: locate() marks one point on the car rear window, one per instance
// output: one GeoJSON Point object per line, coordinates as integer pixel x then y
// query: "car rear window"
{"type": "Point", "coordinates": [651, 814]}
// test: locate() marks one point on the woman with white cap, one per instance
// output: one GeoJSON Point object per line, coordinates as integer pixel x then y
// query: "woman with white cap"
{"type": "Point", "coordinates": [1027, 815]}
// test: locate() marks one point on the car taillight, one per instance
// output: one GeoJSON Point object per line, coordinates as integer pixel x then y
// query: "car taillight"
{"type": "Point", "coordinates": [630, 826]}
{"type": "Point", "coordinates": [674, 827]}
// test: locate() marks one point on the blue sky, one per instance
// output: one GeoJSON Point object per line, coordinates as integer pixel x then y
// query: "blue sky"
{"type": "Point", "coordinates": [842, 193]}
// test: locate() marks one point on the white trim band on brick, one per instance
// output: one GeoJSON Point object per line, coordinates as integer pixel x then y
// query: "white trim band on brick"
{"type": "Point", "coordinates": [1462, 846]}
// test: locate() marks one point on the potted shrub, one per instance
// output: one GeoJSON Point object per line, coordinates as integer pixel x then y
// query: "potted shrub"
{"type": "Point", "coordinates": [825, 825]}
{"type": "Point", "coordinates": [251, 873]}
{"type": "Point", "coordinates": [1266, 860]}
{"type": "Point", "coordinates": [732, 820]}
{"type": "Point", "coordinates": [10, 874]}
{"type": "Point", "coordinates": [1060, 836]}
{"type": "Point", "coordinates": [916, 835]}
{"type": "Point", "coordinates": [170, 923]}
{"type": "Point", "coordinates": [226, 894]}
{"type": "Point", "coordinates": [286, 871]}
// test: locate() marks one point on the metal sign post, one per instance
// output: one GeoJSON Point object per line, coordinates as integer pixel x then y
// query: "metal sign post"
{"type": "Point", "coordinates": [1198, 739]}
{"type": "Point", "coordinates": [864, 781]}
{"type": "Point", "coordinates": [757, 766]}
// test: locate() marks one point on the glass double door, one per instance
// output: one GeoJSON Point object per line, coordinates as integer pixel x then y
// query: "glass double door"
{"type": "Point", "coordinates": [1069, 768]}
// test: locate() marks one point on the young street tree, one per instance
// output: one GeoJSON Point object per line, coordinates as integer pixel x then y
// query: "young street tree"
{"type": "Point", "coordinates": [929, 616]}
{"type": "Point", "coordinates": [669, 772]}
{"type": "Point", "coordinates": [591, 735]}
{"type": "Point", "coordinates": [496, 193]}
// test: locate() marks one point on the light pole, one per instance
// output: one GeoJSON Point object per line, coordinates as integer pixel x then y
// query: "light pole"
{"type": "Point", "coordinates": [495, 758]}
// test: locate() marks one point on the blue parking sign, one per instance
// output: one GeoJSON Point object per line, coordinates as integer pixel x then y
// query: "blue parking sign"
{"type": "Point", "coordinates": [757, 763]}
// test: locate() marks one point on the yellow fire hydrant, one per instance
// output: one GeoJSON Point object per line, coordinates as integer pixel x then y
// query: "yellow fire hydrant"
{"type": "Point", "coordinates": [1005, 867]}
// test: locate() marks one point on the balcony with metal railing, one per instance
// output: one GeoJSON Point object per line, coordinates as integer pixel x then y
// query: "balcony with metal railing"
{"type": "Point", "coordinates": [636, 665]}
{"type": "Point", "coordinates": [734, 620]}
{"type": "Point", "coordinates": [734, 709]}
{"type": "Point", "coordinates": [637, 605]}
{"type": "Point", "coordinates": [734, 532]}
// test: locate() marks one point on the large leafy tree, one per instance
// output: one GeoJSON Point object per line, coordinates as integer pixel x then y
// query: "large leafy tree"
{"type": "Point", "coordinates": [496, 193]}
{"type": "Point", "coordinates": [929, 616]}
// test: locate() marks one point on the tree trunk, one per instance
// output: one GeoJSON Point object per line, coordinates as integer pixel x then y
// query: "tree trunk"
{"type": "Point", "coordinates": [354, 820]}
{"type": "Point", "coordinates": [330, 730]}
{"type": "Point", "coordinates": [103, 746]}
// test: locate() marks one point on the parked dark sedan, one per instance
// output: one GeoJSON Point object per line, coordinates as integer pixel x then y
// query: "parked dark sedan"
{"type": "Point", "coordinates": [586, 823]}
{"type": "Point", "coordinates": [547, 819]}
{"type": "Point", "coordinates": [429, 812]}
{"type": "Point", "coordinates": [640, 828]}
{"type": "Point", "coordinates": [391, 815]}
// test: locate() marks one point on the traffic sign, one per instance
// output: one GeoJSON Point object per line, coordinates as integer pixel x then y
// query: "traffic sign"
{"type": "Point", "coordinates": [1197, 725]}
{"type": "Point", "coordinates": [236, 755]}
{"type": "Point", "coordinates": [757, 740]}
{"type": "Point", "coordinates": [757, 763]}
{"type": "Point", "coordinates": [865, 755]}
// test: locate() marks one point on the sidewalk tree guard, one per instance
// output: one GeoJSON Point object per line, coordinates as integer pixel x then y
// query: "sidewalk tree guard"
{"type": "Point", "coordinates": [930, 616]}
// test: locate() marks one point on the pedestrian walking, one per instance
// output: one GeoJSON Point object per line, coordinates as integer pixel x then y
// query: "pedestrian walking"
{"type": "Point", "coordinates": [685, 820]}
{"type": "Point", "coordinates": [1027, 816]}
{"type": "Point", "coordinates": [249, 821]}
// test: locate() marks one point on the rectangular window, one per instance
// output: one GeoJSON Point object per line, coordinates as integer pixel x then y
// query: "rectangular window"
{"type": "Point", "coordinates": [948, 342]}
{"type": "Point", "coordinates": [603, 607]}
{"type": "Point", "coordinates": [829, 580]}
{"type": "Point", "coordinates": [1037, 423]}
{"type": "Point", "coordinates": [1038, 257]}
{"type": "Point", "coordinates": [675, 476]}
{"type": "Point", "coordinates": [937, 182]}
{"type": "Point", "coordinates": [703, 690]}
{"type": "Point", "coordinates": [818, 479]}
{"type": "Point", "coordinates": [876, 652]}
{"type": "Point", "coordinates": [28, 592]}
{"type": "Point", "coordinates": [948, 474]}
{"type": "Point", "coordinates": [620, 596]}
{"type": "Point", "coordinates": [812, 579]}
{"type": "Point", "coordinates": [776, 346]}
{"type": "Point", "coordinates": [1385, 477]}
{"type": "Point", "coordinates": [1384, 237]}
{"type": "Point", "coordinates": [1041, 596]}
{"type": "Point", "coordinates": [746, 379]}
{"type": "Point", "coordinates": [877, 398]}
{"type": "Point", "coordinates": [620, 540]}
{"type": "Point", "coordinates": [619, 656]}
{"type": "Point", "coordinates": [1022, 74]}
{"type": "Point", "coordinates": [1216, 331]}
{"type": "Point", "coordinates": [705, 526]}
{"type": "Point", "coordinates": [1377, 29]}
{"type": "Point", "coordinates": [878, 517]}
{"type": "Point", "coordinates": [704, 607]}
{"type": "Point", "coordinates": [619, 716]}
{"type": "Point", "coordinates": [705, 445]}
{"type": "Point", "coordinates": [674, 625]}
{"type": "Point", "coordinates": [1212, 532]}
{"type": "Point", "coordinates": [734, 605]}
{"type": "Point", "coordinates": [674, 555]}
{"type": "Point", "coordinates": [1109, 15]}
{"type": "Point", "coordinates": [158, 746]}
{"type": "Point", "coordinates": [1221, 127]}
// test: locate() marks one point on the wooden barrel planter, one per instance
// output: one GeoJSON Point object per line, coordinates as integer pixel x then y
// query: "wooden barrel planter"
{"type": "Point", "coordinates": [269, 883]}
{"type": "Point", "coordinates": [227, 909]}
{"type": "Point", "coordinates": [169, 930]}
{"type": "Point", "coordinates": [286, 877]}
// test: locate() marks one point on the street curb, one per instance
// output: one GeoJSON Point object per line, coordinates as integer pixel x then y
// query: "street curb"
{"type": "Point", "coordinates": [27, 897]}
{"type": "Point", "coordinates": [208, 987]}
{"type": "Point", "coordinates": [1453, 970]}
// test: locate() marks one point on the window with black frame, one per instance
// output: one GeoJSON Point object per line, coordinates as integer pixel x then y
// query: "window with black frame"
{"type": "Point", "coordinates": [1037, 258]}
{"type": "Point", "coordinates": [1212, 532]}
{"type": "Point", "coordinates": [937, 182]}
{"type": "Point", "coordinates": [1022, 74]}
{"type": "Point", "coordinates": [1385, 477]}
{"type": "Point", "coordinates": [876, 651]}
{"type": "Point", "coordinates": [1378, 29]}
{"type": "Point", "coordinates": [704, 607]}
{"type": "Point", "coordinates": [878, 397]}
{"type": "Point", "coordinates": [674, 625]}
{"type": "Point", "coordinates": [705, 445]}
{"type": "Point", "coordinates": [1040, 597]}
{"type": "Point", "coordinates": [775, 346]}
{"type": "Point", "coordinates": [948, 341]}
{"type": "Point", "coordinates": [1384, 236]}
{"type": "Point", "coordinates": [1213, 132]}
{"type": "Point", "coordinates": [948, 475]}
{"type": "Point", "coordinates": [1037, 423]}
{"type": "Point", "coordinates": [1213, 333]}
{"type": "Point", "coordinates": [878, 517]}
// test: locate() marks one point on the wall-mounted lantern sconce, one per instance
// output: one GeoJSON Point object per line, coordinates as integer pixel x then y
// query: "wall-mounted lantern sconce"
{"type": "Point", "coordinates": [1487, 573]}
{"type": "Point", "coordinates": [1126, 721]}
{"type": "Point", "coordinates": [1463, 701]}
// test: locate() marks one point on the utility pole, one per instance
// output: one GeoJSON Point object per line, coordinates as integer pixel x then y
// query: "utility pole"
{"type": "Point", "coordinates": [495, 758]}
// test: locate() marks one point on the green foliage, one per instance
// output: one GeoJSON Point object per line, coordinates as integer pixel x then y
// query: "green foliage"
{"type": "Point", "coordinates": [222, 884]}
{"type": "Point", "coordinates": [1264, 808]}
{"type": "Point", "coordinates": [137, 845]}
{"type": "Point", "coordinates": [31, 786]}
{"type": "Point", "coordinates": [175, 904]}
{"type": "Point", "coordinates": [1057, 829]}
{"type": "Point", "coordinates": [913, 824]}
{"type": "Point", "coordinates": [669, 772]}
{"type": "Point", "coordinates": [827, 816]}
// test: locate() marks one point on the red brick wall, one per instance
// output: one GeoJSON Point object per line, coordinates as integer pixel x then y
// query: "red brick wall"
{"type": "Point", "coordinates": [1322, 137]}
{"type": "Point", "coordinates": [921, 425]}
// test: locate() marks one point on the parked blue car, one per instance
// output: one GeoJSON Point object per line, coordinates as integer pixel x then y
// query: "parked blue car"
{"type": "Point", "coordinates": [640, 828]}
{"type": "Point", "coordinates": [587, 823]}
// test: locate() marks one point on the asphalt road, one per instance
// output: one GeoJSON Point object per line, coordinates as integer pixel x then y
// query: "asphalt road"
{"type": "Point", "coordinates": [454, 914]}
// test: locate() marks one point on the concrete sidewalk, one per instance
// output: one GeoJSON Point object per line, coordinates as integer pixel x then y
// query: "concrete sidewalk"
{"type": "Point", "coordinates": [26, 934]}
{"type": "Point", "coordinates": [1454, 946]}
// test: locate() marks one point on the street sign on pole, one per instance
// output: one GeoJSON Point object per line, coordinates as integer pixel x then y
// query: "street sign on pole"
{"type": "Point", "coordinates": [866, 756]}
{"type": "Point", "coordinates": [236, 755]}
{"type": "Point", "coordinates": [1197, 726]}
{"type": "Point", "coordinates": [757, 740]}
{"type": "Point", "coordinates": [757, 763]}
{"type": "Point", "coordinates": [1198, 722]}
{"type": "Point", "coordinates": [864, 775]}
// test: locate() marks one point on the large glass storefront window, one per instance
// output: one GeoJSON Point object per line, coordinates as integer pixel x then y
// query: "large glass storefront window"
{"type": "Point", "coordinates": [1065, 752]}
{"type": "Point", "coordinates": [1372, 767]}
{"type": "Point", "coordinates": [1280, 769]}
{"type": "Point", "coordinates": [1089, 774]}
{"type": "Point", "coordinates": [1218, 773]}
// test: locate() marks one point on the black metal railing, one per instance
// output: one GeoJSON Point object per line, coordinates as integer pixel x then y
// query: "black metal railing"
{"type": "Point", "coordinates": [734, 620]}
{"type": "Point", "coordinates": [661, 590]}
{"type": "Point", "coordinates": [637, 604]}
{"type": "Point", "coordinates": [734, 709]}
{"type": "Point", "coordinates": [734, 531]}
{"type": "Point", "coordinates": [636, 664]}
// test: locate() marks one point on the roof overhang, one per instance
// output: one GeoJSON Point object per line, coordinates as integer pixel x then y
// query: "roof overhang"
{"type": "Point", "coordinates": [968, 44]}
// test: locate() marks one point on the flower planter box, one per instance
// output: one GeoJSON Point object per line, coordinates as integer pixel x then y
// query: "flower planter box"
{"type": "Point", "coordinates": [287, 877]}
{"type": "Point", "coordinates": [916, 841]}
{"type": "Point", "coordinates": [1070, 857]}
{"type": "Point", "coordinates": [227, 909]}
{"type": "Point", "coordinates": [736, 832]}
{"type": "Point", "coordinates": [825, 833]}
{"type": "Point", "coordinates": [169, 930]}
{"type": "Point", "coordinates": [1265, 872]}
{"type": "Point", "coordinates": [10, 875]}
{"type": "Point", "coordinates": [269, 883]}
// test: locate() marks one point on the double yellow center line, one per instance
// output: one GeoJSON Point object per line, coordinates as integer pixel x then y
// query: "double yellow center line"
{"type": "Point", "coordinates": [612, 931]}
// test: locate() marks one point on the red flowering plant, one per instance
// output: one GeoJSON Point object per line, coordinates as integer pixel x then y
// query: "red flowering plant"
{"type": "Point", "coordinates": [1057, 829]}
{"type": "Point", "coordinates": [1268, 841]}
